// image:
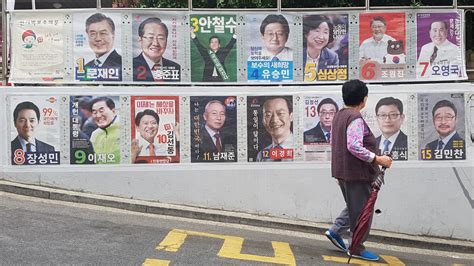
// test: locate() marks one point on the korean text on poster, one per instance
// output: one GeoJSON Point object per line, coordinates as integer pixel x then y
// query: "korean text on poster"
{"type": "Point", "coordinates": [155, 129]}
{"type": "Point", "coordinates": [382, 46]}
{"type": "Point", "coordinates": [35, 132]}
{"type": "Point", "coordinates": [156, 53]}
{"type": "Point", "coordinates": [441, 126]}
{"type": "Point", "coordinates": [387, 118]}
{"type": "Point", "coordinates": [270, 128]}
{"type": "Point", "coordinates": [271, 57]}
{"type": "Point", "coordinates": [213, 48]}
{"type": "Point", "coordinates": [213, 129]}
{"type": "Point", "coordinates": [97, 46]}
{"type": "Point", "coordinates": [325, 47]}
{"type": "Point", "coordinates": [82, 125]}
{"type": "Point", "coordinates": [37, 47]}
{"type": "Point", "coordinates": [319, 111]}
{"type": "Point", "coordinates": [439, 46]}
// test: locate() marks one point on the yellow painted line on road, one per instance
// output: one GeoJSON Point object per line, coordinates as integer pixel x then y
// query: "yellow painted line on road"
{"type": "Point", "coordinates": [155, 262]}
{"type": "Point", "coordinates": [231, 248]}
{"type": "Point", "coordinates": [390, 260]}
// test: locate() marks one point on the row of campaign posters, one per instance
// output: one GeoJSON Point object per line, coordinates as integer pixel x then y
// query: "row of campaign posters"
{"type": "Point", "coordinates": [158, 47]}
{"type": "Point", "coordinates": [267, 128]}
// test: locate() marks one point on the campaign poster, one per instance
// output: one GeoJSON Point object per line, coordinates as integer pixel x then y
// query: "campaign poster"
{"type": "Point", "coordinates": [37, 47]}
{"type": "Point", "coordinates": [269, 47]}
{"type": "Point", "coordinates": [270, 128]}
{"type": "Point", "coordinates": [319, 111]}
{"type": "Point", "coordinates": [325, 47]}
{"type": "Point", "coordinates": [97, 46]}
{"type": "Point", "coordinates": [213, 48]}
{"type": "Point", "coordinates": [438, 46]}
{"type": "Point", "coordinates": [95, 129]}
{"type": "Point", "coordinates": [382, 46]}
{"type": "Point", "coordinates": [35, 132]}
{"type": "Point", "coordinates": [386, 115]}
{"type": "Point", "coordinates": [157, 55]}
{"type": "Point", "coordinates": [441, 128]}
{"type": "Point", "coordinates": [213, 129]}
{"type": "Point", "coordinates": [155, 129]}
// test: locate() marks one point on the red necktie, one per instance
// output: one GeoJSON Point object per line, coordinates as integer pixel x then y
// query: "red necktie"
{"type": "Point", "coordinates": [218, 142]}
{"type": "Point", "coordinates": [151, 148]}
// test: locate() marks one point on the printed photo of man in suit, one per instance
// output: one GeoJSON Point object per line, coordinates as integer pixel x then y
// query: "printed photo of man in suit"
{"type": "Point", "coordinates": [150, 65]}
{"type": "Point", "coordinates": [445, 120]}
{"type": "Point", "coordinates": [213, 137]}
{"type": "Point", "coordinates": [321, 133]}
{"type": "Point", "coordinates": [26, 117]}
{"type": "Point", "coordinates": [100, 30]}
{"type": "Point", "coordinates": [390, 117]}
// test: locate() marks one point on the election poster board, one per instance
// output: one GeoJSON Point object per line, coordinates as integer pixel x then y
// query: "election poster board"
{"type": "Point", "coordinates": [386, 115]}
{"type": "Point", "coordinates": [37, 42]}
{"type": "Point", "coordinates": [270, 128]}
{"type": "Point", "coordinates": [213, 47]}
{"type": "Point", "coordinates": [102, 123]}
{"type": "Point", "coordinates": [82, 124]}
{"type": "Point", "coordinates": [325, 47]}
{"type": "Point", "coordinates": [269, 47]}
{"type": "Point", "coordinates": [319, 111]}
{"type": "Point", "coordinates": [213, 128]}
{"type": "Point", "coordinates": [441, 126]}
{"type": "Point", "coordinates": [439, 52]}
{"type": "Point", "coordinates": [155, 129]}
{"type": "Point", "coordinates": [157, 54]}
{"type": "Point", "coordinates": [35, 133]}
{"type": "Point", "coordinates": [97, 46]}
{"type": "Point", "coordinates": [382, 46]}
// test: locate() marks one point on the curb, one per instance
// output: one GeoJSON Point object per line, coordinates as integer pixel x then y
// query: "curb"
{"type": "Point", "coordinates": [377, 236]}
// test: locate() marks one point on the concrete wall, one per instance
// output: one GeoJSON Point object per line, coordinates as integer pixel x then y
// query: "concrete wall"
{"type": "Point", "coordinates": [420, 198]}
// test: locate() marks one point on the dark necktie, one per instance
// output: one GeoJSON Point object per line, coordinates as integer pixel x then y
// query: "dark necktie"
{"type": "Point", "coordinates": [440, 145]}
{"type": "Point", "coordinates": [275, 59]}
{"type": "Point", "coordinates": [434, 55]}
{"type": "Point", "coordinates": [28, 147]}
{"type": "Point", "coordinates": [386, 144]}
{"type": "Point", "coordinates": [97, 62]}
{"type": "Point", "coordinates": [328, 137]}
{"type": "Point", "coordinates": [218, 142]}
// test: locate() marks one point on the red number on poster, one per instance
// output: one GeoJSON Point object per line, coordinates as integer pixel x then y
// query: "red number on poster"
{"type": "Point", "coordinates": [162, 138]}
{"type": "Point", "coordinates": [310, 111]}
{"type": "Point", "coordinates": [47, 111]}
{"type": "Point", "coordinates": [368, 71]}
{"type": "Point", "coordinates": [425, 66]}
{"type": "Point", "coordinates": [141, 73]}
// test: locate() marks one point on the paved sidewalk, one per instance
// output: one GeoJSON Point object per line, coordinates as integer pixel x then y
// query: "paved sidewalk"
{"type": "Point", "coordinates": [377, 236]}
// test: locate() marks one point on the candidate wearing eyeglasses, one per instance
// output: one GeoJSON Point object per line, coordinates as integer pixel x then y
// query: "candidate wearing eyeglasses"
{"type": "Point", "coordinates": [100, 30]}
{"type": "Point", "coordinates": [444, 120]}
{"type": "Point", "coordinates": [275, 31]}
{"type": "Point", "coordinates": [321, 133]}
{"type": "Point", "coordinates": [390, 117]}
{"type": "Point", "coordinates": [150, 65]}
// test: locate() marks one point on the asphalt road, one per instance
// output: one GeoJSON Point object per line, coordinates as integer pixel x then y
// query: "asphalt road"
{"type": "Point", "coordinates": [45, 232]}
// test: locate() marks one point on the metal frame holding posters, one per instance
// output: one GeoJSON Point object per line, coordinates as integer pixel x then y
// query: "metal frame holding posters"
{"type": "Point", "coordinates": [38, 47]}
{"type": "Point", "coordinates": [213, 47]}
{"type": "Point", "coordinates": [439, 38]}
{"type": "Point", "coordinates": [155, 129]}
{"type": "Point", "coordinates": [97, 46]}
{"type": "Point", "coordinates": [325, 47]}
{"type": "Point", "coordinates": [213, 128]}
{"type": "Point", "coordinates": [67, 53]}
{"type": "Point", "coordinates": [382, 46]}
{"type": "Point", "coordinates": [441, 126]}
{"type": "Point", "coordinates": [34, 130]}
{"type": "Point", "coordinates": [270, 136]}
{"type": "Point", "coordinates": [158, 56]}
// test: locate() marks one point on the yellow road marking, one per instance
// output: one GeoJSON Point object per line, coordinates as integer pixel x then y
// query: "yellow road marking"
{"type": "Point", "coordinates": [231, 248]}
{"type": "Point", "coordinates": [155, 262]}
{"type": "Point", "coordinates": [392, 261]}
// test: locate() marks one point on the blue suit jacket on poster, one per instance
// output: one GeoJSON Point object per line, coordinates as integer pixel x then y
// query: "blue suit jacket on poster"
{"type": "Point", "coordinates": [112, 61]}
{"type": "Point", "coordinates": [140, 62]}
{"type": "Point", "coordinates": [327, 58]}
{"type": "Point", "coordinates": [40, 147]}
{"type": "Point", "coordinates": [315, 135]}
{"type": "Point", "coordinates": [401, 143]}
{"type": "Point", "coordinates": [434, 144]}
